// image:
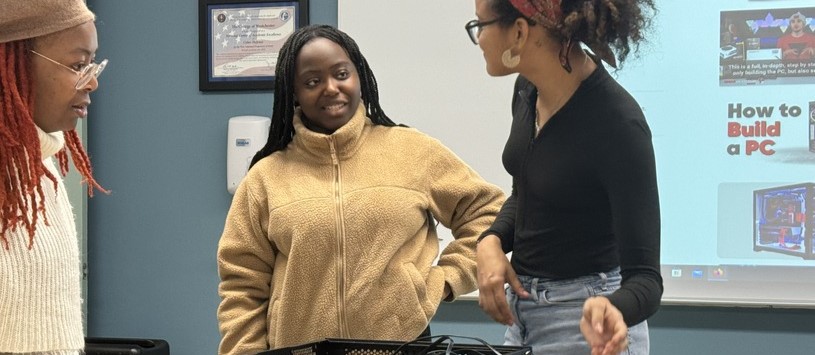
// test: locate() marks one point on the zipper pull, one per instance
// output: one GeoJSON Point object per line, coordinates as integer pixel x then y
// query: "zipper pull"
{"type": "Point", "coordinates": [334, 158]}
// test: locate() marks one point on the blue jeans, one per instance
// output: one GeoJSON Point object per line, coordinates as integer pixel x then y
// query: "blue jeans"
{"type": "Point", "coordinates": [549, 320]}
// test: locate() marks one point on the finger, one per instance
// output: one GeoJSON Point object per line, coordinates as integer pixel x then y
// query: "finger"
{"type": "Point", "coordinates": [592, 338]}
{"type": "Point", "coordinates": [610, 348]}
{"type": "Point", "coordinates": [620, 339]}
{"type": "Point", "coordinates": [516, 284]}
{"type": "Point", "coordinates": [618, 342]}
{"type": "Point", "coordinates": [487, 303]}
{"type": "Point", "coordinates": [596, 315]}
{"type": "Point", "coordinates": [502, 306]}
{"type": "Point", "coordinates": [614, 349]}
{"type": "Point", "coordinates": [495, 304]}
{"type": "Point", "coordinates": [620, 336]}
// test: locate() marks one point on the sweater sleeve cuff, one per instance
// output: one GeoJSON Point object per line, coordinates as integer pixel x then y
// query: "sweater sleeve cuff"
{"type": "Point", "coordinates": [458, 285]}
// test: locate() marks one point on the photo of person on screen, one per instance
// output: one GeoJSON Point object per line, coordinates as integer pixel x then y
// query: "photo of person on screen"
{"type": "Point", "coordinates": [798, 44]}
{"type": "Point", "coordinates": [728, 36]}
{"type": "Point", "coordinates": [732, 42]}
{"type": "Point", "coordinates": [583, 219]}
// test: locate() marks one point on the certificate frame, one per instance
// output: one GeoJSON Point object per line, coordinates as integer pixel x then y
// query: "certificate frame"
{"type": "Point", "coordinates": [239, 41]}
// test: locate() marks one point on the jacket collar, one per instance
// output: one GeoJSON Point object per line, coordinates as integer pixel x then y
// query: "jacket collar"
{"type": "Point", "coordinates": [346, 140]}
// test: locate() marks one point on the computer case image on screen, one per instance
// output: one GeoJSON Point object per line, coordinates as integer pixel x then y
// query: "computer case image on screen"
{"type": "Point", "coordinates": [784, 219]}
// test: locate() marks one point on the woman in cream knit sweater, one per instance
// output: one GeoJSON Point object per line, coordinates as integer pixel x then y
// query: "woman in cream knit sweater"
{"type": "Point", "coordinates": [47, 73]}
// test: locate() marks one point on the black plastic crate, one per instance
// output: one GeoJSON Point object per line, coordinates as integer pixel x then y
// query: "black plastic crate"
{"type": "Point", "coordinates": [125, 346]}
{"type": "Point", "coordinates": [418, 347]}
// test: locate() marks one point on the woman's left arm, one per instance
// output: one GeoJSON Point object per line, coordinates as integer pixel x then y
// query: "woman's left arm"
{"type": "Point", "coordinates": [628, 173]}
{"type": "Point", "coordinates": [627, 169]}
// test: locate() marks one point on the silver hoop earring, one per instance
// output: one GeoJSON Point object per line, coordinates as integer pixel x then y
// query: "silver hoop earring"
{"type": "Point", "coordinates": [510, 61]}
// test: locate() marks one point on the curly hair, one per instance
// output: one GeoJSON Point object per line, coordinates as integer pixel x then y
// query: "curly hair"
{"type": "Point", "coordinates": [21, 168]}
{"type": "Point", "coordinates": [603, 25]}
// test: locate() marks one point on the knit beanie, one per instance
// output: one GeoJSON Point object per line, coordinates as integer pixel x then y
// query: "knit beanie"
{"type": "Point", "coordinates": [21, 19]}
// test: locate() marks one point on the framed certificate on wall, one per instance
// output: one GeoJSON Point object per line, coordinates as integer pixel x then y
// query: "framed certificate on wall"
{"type": "Point", "coordinates": [240, 40]}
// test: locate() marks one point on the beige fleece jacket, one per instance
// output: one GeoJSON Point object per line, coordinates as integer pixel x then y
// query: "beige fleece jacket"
{"type": "Point", "coordinates": [333, 237]}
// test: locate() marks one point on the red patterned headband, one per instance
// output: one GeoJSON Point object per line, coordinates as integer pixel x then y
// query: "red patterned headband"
{"type": "Point", "coordinates": [547, 12]}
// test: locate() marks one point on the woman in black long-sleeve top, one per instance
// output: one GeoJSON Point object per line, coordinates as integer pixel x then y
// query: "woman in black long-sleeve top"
{"type": "Point", "coordinates": [582, 221]}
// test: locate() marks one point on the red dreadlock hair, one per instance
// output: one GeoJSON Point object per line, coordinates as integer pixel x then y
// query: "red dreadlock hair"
{"type": "Point", "coordinates": [21, 167]}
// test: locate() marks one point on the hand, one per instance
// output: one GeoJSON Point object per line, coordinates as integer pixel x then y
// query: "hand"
{"type": "Point", "coordinates": [494, 270]}
{"type": "Point", "coordinates": [603, 327]}
{"type": "Point", "coordinates": [789, 53]}
{"type": "Point", "coordinates": [808, 50]}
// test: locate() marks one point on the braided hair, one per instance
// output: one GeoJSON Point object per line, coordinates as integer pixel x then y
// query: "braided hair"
{"type": "Point", "coordinates": [602, 25]}
{"type": "Point", "coordinates": [281, 131]}
{"type": "Point", "coordinates": [21, 168]}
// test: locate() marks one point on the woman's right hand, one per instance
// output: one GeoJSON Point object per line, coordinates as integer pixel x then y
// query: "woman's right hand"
{"type": "Point", "coordinates": [494, 270]}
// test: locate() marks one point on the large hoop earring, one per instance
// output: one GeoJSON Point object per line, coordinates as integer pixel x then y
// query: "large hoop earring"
{"type": "Point", "coordinates": [510, 61]}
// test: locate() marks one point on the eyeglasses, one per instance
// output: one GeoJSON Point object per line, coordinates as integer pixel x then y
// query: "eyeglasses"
{"type": "Point", "coordinates": [87, 72]}
{"type": "Point", "coordinates": [473, 28]}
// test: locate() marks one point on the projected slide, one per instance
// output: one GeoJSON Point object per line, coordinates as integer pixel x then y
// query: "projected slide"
{"type": "Point", "coordinates": [735, 151]}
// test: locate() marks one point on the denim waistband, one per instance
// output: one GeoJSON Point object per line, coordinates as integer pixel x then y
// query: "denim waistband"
{"type": "Point", "coordinates": [542, 282]}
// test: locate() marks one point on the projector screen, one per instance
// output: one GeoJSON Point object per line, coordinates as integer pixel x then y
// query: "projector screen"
{"type": "Point", "coordinates": [729, 96]}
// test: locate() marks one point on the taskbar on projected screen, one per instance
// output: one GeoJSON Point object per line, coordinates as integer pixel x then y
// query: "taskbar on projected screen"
{"type": "Point", "coordinates": [748, 285]}
{"type": "Point", "coordinates": [738, 273]}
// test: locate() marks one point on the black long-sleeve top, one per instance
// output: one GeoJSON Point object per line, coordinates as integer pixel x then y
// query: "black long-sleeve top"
{"type": "Point", "coordinates": [584, 192]}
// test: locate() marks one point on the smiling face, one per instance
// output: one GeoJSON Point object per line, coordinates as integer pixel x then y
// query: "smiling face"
{"type": "Point", "coordinates": [326, 84]}
{"type": "Point", "coordinates": [57, 103]}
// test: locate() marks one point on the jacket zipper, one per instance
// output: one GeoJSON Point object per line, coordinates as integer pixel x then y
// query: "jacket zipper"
{"type": "Point", "coordinates": [340, 262]}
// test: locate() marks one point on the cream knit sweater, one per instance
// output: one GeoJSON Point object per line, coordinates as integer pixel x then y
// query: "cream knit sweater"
{"type": "Point", "coordinates": [40, 301]}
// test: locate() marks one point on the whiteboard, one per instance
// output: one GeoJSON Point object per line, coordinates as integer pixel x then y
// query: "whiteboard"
{"type": "Point", "coordinates": [693, 88]}
{"type": "Point", "coordinates": [432, 77]}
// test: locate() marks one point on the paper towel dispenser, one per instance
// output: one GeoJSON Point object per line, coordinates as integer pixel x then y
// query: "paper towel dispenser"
{"type": "Point", "coordinates": [245, 136]}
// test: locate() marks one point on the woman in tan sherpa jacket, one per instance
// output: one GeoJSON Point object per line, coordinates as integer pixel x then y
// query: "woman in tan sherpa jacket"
{"type": "Point", "coordinates": [332, 231]}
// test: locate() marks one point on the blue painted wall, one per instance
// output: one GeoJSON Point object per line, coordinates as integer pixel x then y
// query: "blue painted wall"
{"type": "Point", "coordinates": [159, 145]}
